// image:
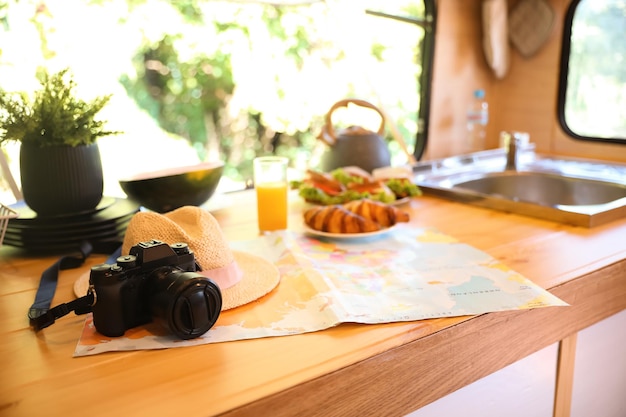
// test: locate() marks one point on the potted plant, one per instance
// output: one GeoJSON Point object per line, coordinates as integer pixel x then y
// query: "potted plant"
{"type": "Point", "coordinates": [60, 165]}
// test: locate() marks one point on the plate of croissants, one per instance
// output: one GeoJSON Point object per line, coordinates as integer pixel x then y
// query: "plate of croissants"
{"type": "Point", "coordinates": [355, 219]}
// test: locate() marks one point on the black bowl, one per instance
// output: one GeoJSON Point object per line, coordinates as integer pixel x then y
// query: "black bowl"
{"type": "Point", "coordinates": [168, 189]}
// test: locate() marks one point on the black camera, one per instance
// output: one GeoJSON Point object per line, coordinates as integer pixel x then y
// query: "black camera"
{"type": "Point", "coordinates": [155, 281]}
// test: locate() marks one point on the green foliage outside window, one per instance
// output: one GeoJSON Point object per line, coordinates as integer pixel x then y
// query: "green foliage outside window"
{"type": "Point", "coordinates": [234, 79]}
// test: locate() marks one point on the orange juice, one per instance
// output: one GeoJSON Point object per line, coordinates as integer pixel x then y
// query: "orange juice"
{"type": "Point", "coordinates": [272, 206]}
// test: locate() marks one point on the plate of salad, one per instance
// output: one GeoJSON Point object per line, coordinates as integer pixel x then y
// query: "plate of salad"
{"type": "Point", "coordinates": [352, 183]}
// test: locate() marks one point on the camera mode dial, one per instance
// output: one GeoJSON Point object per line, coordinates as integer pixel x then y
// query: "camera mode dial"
{"type": "Point", "coordinates": [100, 271]}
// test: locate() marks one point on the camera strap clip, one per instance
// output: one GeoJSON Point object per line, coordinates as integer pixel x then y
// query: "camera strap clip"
{"type": "Point", "coordinates": [40, 314]}
{"type": "Point", "coordinates": [41, 318]}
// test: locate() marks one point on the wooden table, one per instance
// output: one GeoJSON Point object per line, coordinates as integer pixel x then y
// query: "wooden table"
{"type": "Point", "coordinates": [351, 369]}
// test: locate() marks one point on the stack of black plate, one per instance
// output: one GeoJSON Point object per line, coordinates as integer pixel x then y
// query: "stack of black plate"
{"type": "Point", "coordinates": [103, 227]}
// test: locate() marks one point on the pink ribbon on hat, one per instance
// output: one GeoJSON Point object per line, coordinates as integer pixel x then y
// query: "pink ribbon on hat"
{"type": "Point", "coordinates": [226, 276]}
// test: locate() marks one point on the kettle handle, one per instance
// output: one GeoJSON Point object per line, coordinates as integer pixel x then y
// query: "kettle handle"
{"type": "Point", "coordinates": [329, 131]}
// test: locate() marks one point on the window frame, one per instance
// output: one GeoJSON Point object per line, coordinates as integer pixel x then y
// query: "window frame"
{"type": "Point", "coordinates": [428, 57]}
{"type": "Point", "coordinates": [563, 80]}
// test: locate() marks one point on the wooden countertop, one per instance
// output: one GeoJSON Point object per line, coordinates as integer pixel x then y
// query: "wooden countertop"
{"type": "Point", "coordinates": [351, 369]}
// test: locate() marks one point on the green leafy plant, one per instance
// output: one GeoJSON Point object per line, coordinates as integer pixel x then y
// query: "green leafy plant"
{"type": "Point", "coordinates": [54, 116]}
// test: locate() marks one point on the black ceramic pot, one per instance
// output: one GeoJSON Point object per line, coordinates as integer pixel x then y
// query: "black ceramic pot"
{"type": "Point", "coordinates": [61, 180]}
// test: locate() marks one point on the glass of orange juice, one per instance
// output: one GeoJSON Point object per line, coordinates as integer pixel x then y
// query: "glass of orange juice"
{"type": "Point", "coordinates": [270, 182]}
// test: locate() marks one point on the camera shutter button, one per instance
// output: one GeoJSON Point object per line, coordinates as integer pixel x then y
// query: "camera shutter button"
{"type": "Point", "coordinates": [127, 261]}
{"type": "Point", "coordinates": [180, 248]}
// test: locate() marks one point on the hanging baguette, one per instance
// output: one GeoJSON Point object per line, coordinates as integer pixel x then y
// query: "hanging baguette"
{"type": "Point", "coordinates": [381, 213]}
{"type": "Point", "coordinates": [336, 219]}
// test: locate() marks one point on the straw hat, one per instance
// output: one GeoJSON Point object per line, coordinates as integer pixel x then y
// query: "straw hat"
{"type": "Point", "coordinates": [242, 277]}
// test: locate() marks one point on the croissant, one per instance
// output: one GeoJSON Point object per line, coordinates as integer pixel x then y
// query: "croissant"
{"type": "Point", "coordinates": [381, 213]}
{"type": "Point", "coordinates": [336, 219]}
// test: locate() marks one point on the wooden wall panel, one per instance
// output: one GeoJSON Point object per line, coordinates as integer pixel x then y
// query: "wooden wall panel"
{"type": "Point", "coordinates": [459, 68]}
{"type": "Point", "coordinates": [525, 99]}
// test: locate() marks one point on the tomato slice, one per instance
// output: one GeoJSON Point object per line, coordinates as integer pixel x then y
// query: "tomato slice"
{"type": "Point", "coordinates": [329, 189]}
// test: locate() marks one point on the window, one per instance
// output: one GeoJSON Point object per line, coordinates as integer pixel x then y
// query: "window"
{"type": "Point", "coordinates": [203, 80]}
{"type": "Point", "coordinates": [592, 91]}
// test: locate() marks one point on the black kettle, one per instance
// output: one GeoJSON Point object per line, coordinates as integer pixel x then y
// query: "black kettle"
{"type": "Point", "coordinates": [354, 146]}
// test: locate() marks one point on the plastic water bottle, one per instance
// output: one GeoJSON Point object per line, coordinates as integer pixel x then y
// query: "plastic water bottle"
{"type": "Point", "coordinates": [477, 119]}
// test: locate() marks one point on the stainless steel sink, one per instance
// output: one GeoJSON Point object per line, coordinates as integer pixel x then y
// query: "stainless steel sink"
{"type": "Point", "coordinates": [545, 189]}
{"type": "Point", "coordinates": [572, 191]}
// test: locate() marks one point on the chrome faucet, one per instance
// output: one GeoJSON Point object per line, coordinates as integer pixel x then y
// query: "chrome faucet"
{"type": "Point", "coordinates": [512, 143]}
{"type": "Point", "coordinates": [511, 153]}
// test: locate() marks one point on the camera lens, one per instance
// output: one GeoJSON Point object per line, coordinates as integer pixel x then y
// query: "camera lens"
{"type": "Point", "coordinates": [186, 302]}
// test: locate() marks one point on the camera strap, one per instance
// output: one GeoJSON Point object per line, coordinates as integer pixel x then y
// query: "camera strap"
{"type": "Point", "coordinates": [40, 314]}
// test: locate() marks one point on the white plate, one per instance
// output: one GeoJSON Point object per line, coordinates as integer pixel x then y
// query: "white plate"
{"type": "Point", "coordinates": [400, 201]}
{"type": "Point", "coordinates": [347, 236]}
